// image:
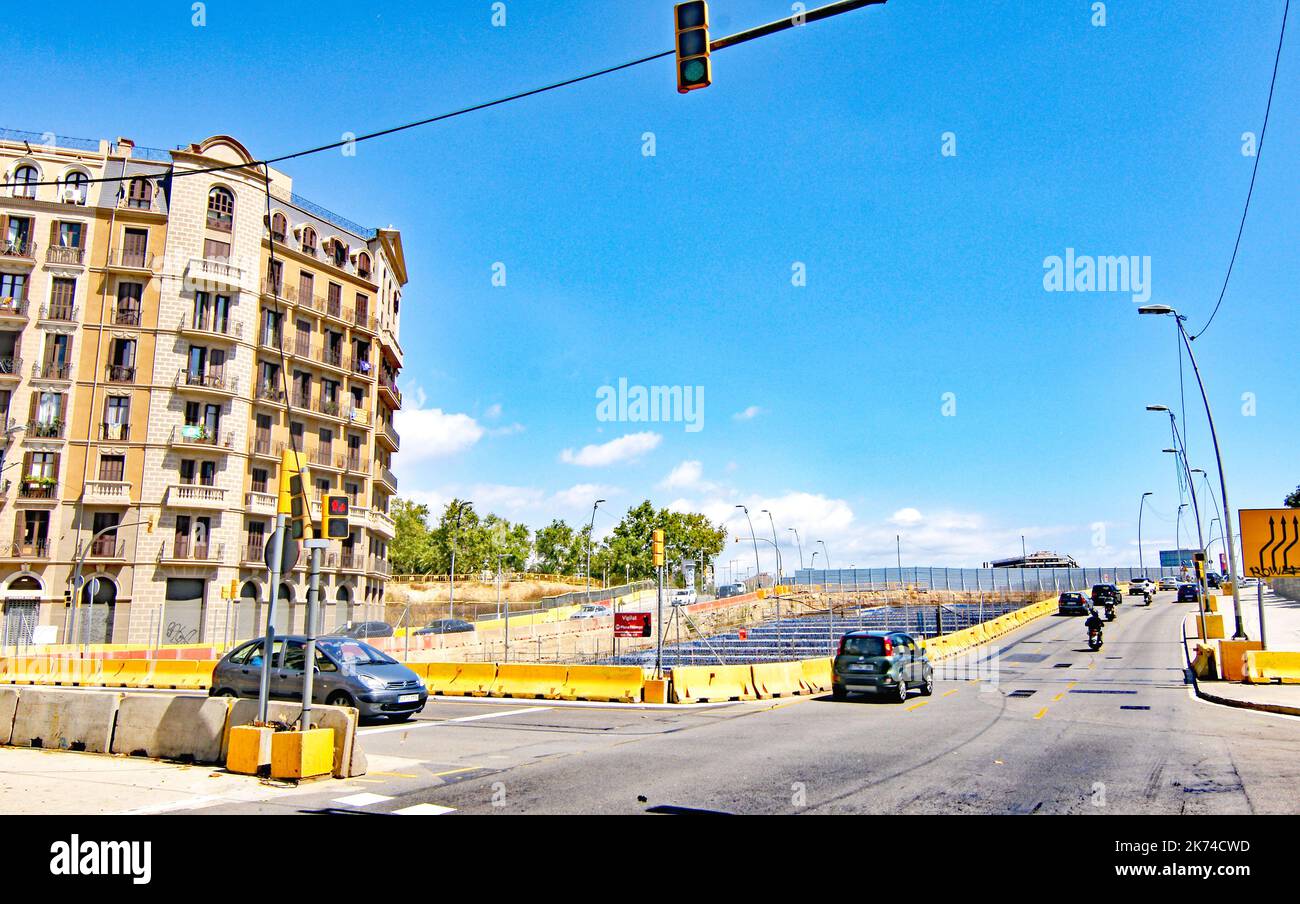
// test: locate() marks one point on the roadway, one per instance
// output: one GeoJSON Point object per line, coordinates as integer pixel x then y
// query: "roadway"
{"type": "Point", "coordinates": [1050, 728]}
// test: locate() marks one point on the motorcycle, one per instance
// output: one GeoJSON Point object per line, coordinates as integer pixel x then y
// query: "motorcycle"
{"type": "Point", "coordinates": [1094, 639]}
{"type": "Point", "coordinates": [1110, 612]}
{"type": "Point", "coordinates": [1146, 598]}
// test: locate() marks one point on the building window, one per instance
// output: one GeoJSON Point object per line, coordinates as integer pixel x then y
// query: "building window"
{"type": "Point", "coordinates": [117, 417]}
{"type": "Point", "coordinates": [128, 304]}
{"type": "Point", "coordinates": [278, 227]}
{"type": "Point", "coordinates": [221, 209]}
{"type": "Point", "coordinates": [112, 468]}
{"type": "Point", "coordinates": [363, 265]}
{"type": "Point", "coordinates": [75, 184]}
{"type": "Point", "coordinates": [62, 293]}
{"type": "Point", "coordinates": [25, 179]}
{"type": "Point", "coordinates": [259, 480]}
{"type": "Point", "coordinates": [216, 251]}
{"type": "Point", "coordinates": [309, 241]}
{"type": "Point", "coordinates": [140, 194]}
{"type": "Point", "coordinates": [71, 235]}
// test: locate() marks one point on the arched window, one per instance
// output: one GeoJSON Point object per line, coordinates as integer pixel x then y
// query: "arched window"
{"type": "Point", "coordinates": [278, 226]}
{"type": "Point", "coordinates": [221, 209]}
{"type": "Point", "coordinates": [140, 194]}
{"type": "Point", "coordinates": [339, 253]}
{"type": "Point", "coordinates": [309, 241]}
{"type": "Point", "coordinates": [75, 185]}
{"type": "Point", "coordinates": [363, 265]}
{"type": "Point", "coordinates": [25, 179]}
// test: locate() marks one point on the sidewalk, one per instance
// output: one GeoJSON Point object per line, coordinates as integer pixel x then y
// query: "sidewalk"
{"type": "Point", "coordinates": [1282, 621]}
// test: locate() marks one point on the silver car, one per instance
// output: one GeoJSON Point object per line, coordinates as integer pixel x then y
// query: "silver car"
{"type": "Point", "coordinates": [349, 672]}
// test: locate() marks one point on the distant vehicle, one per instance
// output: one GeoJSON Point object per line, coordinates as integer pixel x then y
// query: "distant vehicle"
{"type": "Point", "coordinates": [1250, 582]}
{"type": "Point", "coordinates": [1103, 592]}
{"type": "Point", "coordinates": [881, 662]}
{"type": "Point", "coordinates": [684, 597]}
{"type": "Point", "coordinates": [365, 630]}
{"type": "Point", "coordinates": [727, 590]}
{"type": "Point", "coordinates": [445, 626]}
{"type": "Point", "coordinates": [1213, 580]}
{"type": "Point", "coordinates": [1189, 593]}
{"type": "Point", "coordinates": [1139, 586]}
{"type": "Point", "coordinates": [591, 611]}
{"type": "Point", "coordinates": [1169, 583]}
{"type": "Point", "coordinates": [1094, 639]}
{"type": "Point", "coordinates": [1073, 603]}
{"type": "Point", "coordinates": [349, 672]}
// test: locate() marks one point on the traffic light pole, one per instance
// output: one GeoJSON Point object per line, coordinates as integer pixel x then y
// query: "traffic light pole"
{"type": "Point", "coordinates": [659, 624]}
{"type": "Point", "coordinates": [795, 21]}
{"type": "Point", "coordinates": [272, 594]}
{"type": "Point", "coordinates": [317, 548]}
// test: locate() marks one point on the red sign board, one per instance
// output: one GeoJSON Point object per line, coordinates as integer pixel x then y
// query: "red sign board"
{"type": "Point", "coordinates": [632, 624]}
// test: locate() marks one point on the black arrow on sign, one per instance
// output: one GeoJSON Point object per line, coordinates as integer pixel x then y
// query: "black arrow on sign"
{"type": "Point", "coordinates": [1272, 533]}
{"type": "Point", "coordinates": [1295, 535]}
{"type": "Point", "coordinates": [1279, 545]}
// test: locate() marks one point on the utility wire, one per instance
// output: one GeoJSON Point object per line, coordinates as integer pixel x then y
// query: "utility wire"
{"type": "Point", "coordinates": [1259, 152]}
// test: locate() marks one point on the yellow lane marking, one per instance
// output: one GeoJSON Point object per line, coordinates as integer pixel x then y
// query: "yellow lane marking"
{"type": "Point", "coordinates": [1070, 685]}
{"type": "Point", "coordinates": [396, 774]}
{"type": "Point", "coordinates": [1057, 698]}
{"type": "Point", "coordinates": [1042, 712]}
{"type": "Point", "coordinates": [453, 771]}
{"type": "Point", "coordinates": [918, 705]}
{"type": "Point", "coordinates": [950, 693]}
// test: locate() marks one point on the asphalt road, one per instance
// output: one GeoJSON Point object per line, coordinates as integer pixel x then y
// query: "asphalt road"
{"type": "Point", "coordinates": [1049, 727]}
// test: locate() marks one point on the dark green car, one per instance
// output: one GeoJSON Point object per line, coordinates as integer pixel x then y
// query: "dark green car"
{"type": "Point", "coordinates": [881, 662]}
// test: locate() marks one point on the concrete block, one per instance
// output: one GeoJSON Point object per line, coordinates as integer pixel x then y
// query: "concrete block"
{"type": "Point", "coordinates": [8, 707]}
{"type": "Point", "coordinates": [250, 750]}
{"type": "Point", "coordinates": [171, 727]}
{"type": "Point", "coordinates": [349, 759]}
{"type": "Point", "coordinates": [302, 754]}
{"type": "Point", "coordinates": [66, 720]}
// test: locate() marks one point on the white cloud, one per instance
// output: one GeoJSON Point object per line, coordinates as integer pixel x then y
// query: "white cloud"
{"type": "Point", "coordinates": [904, 517]}
{"type": "Point", "coordinates": [429, 433]}
{"type": "Point", "coordinates": [686, 474]}
{"type": "Point", "coordinates": [624, 449]}
{"type": "Point", "coordinates": [493, 412]}
{"type": "Point", "coordinates": [748, 414]}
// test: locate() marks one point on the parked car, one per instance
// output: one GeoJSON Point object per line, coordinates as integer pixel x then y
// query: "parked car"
{"type": "Point", "coordinates": [882, 662]}
{"type": "Point", "coordinates": [1169, 583]}
{"type": "Point", "coordinates": [1140, 587]}
{"type": "Point", "coordinates": [364, 630]}
{"type": "Point", "coordinates": [1103, 592]}
{"type": "Point", "coordinates": [682, 597]}
{"type": "Point", "coordinates": [727, 590]}
{"type": "Point", "coordinates": [591, 610]}
{"type": "Point", "coordinates": [1189, 593]}
{"type": "Point", "coordinates": [349, 672]}
{"type": "Point", "coordinates": [1073, 603]}
{"type": "Point", "coordinates": [445, 626]}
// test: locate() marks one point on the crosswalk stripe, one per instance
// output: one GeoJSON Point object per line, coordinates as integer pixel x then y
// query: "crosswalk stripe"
{"type": "Point", "coordinates": [424, 810]}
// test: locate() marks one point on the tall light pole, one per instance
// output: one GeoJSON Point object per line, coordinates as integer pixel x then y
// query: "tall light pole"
{"type": "Point", "coordinates": [591, 527]}
{"type": "Point", "coordinates": [758, 569]}
{"type": "Point", "coordinates": [1161, 309]}
{"type": "Point", "coordinates": [1142, 505]}
{"type": "Point", "coordinates": [826, 553]}
{"type": "Point", "coordinates": [898, 545]}
{"type": "Point", "coordinates": [1180, 453]}
{"type": "Point", "coordinates": [799, 544]}
{"type": "Point", "coordinates": [1214, 503]}
{"type": "Point", "coordinates": [455, 535]}
{"type": "Point", "coordinates": [775, 545]}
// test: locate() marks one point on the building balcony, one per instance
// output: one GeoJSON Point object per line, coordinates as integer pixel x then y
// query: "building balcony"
{"type": "Point", "coordinates": [325, 457]}
{"type": "Point", "coordinates": [107, 492]}
{"type": "Point", "coordinates": [17, 255]}
{"type": "Point", "coordinates": [65, 257]}
{"type": "Point", "coordinates": [265, 447]}
{"type": "Point", "coordinates": [276, 289]}
{"type": "Point", "coordinates": [382, 524]}
{"type": "Point", "coordinates": [386, 478]}
{"type": "Point", "coordinates": [254, 551]}
{"type": "Point", "coordinates": [356, 415]}
{"type": "Point", "coordinates": [205, 274]}
{"type": "Point", "coordinates": [120, 374]}
{"type": "Point", "coordinates": [13, 310]}
{"type": "Point", "coordinates": [380, 567]}
{"type": "Point", "coordinates": [11, 368]}
{"type": "Point", "coordinates": [125, 317]}
{"type": "Point", "coordinates": [39, 549]}
{"type": "Point", "coordinates": [389, 392]}
{"type": "Point", "coordinates": [260, 503]}
{"type": "Point", "coordinates": [213, 383]}
{"type": "Point", "coordinates": [364, 320]}
{"type": "Point", "coordinates": [350, 561]}
{"type": "Point", "coordinates": [130, 260]}
{"type": "Point", "coordinates": [38, 489]}
{"type": "Point", "coordinates": [106, 547]}
{"type": "Point", "coordinates": [59, 313]}
{"type": "Point", "coordinates": [388, 437]}
{"type": "Point", "coordinates": [210, 328]}
{"type": "Point", "coordinates": [184, 551]}
{"type": "Point", "coordinates": [198, 436]}
{"type": "Point", "coordinates": [115, 433]}
{"type": "Point", "coordinates": [52, 370]}
{"type": "Point", "coordinates": [195, 496]}
{"type": "Point", "coordinates": [51, 429]}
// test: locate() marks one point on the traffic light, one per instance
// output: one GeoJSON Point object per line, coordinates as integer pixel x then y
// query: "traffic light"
{"type": "Point", "coordinates": [293, 494]}
{"type": "Point", "coordinates": [336, 517]}
{"type": "Point", "coordinates": [234, 589]}
{"type": "Point", "coordinates": [1199, 559]}
{"type": "Point", "coordinates": [694, 69]}
{"type": "Point", "coordinates": [658, 546]}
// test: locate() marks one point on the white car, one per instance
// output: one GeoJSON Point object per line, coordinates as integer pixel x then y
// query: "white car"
{"type": "Point", "coordinates": [591, 611]}
{"type": "Point", "coordinates": [684, 597]}
{"type": "Point", "coordinates": [1169, 583]}
{"type": "Point", "coordinates": [1139, 586]}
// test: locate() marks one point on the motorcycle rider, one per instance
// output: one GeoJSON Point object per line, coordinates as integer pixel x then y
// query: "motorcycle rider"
{"type": "Point", "coordinates": [1146, 597]}
{"type": "Point", "coordinates": [1110, 610]}
{"type": "Point", "coordinates": [1094, 623]}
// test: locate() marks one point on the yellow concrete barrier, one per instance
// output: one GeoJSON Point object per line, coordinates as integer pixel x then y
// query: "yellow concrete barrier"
{"type": "Point", "coordinates": [777, 679]}
{"type": "Point", "coordinates": [534, 681]}
{"type": "Point", "coordinates": [113, 671]}
{"type": "Point", "coordinates": [1232, 658]}
{"type": "Point", "coordinates": [816, 674]}
{"type": "Point", "coordinates": [135, 673]}
{"type": "Point", "coordinates": [605, 683]}
{"type": "Point", "coordinates": [1204, 665]}
{"type": "Point", "coordinates": [1212, 629]}
{"type": "Point", "coordinates": [460, 679]}
{"type": "Point", "coordinates": [712, 683]}
{"type": "Point", "coordinates": [172, 674]}
{"type": "Point", "coordinates": [1267, 666]}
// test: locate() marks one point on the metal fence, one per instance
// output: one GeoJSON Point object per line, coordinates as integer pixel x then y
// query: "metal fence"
{"type": "Point", "coordinates": [968, 580]}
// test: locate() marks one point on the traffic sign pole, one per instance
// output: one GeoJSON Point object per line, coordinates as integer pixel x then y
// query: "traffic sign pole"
{"type": "Point", "coordinates": [317, 548]}
{"type": "Point", "coordinates": [274, 557]}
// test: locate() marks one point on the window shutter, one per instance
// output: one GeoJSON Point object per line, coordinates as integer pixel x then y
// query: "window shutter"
{"type": "Point", "coordinates": [34, 407]}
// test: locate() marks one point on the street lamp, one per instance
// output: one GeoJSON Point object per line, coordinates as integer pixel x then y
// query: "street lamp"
{"type": "Point", "coordinates": [1142, 505]}
{"type": "Point", "coordinates": [758, 569]}
{"type": "Point", "coordinates": [590, 529]}
{"type": "Point", "coordinates": [1162, 309]}
{"type": "Point", "coordinates": [826, 553]}
{"type": "Point", "coordinates": [1180, 454]}
{"type": "Point", "coordinates": [799, 544]}
{"type": "Point", "coordinates": [775, 545]}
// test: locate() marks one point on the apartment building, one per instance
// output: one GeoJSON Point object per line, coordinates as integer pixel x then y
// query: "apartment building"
{"type": "Point", "coordinates": [165, 333]}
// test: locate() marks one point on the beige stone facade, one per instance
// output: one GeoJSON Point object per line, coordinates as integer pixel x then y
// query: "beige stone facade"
{"type": "Point", "coordinates": [162, 340]}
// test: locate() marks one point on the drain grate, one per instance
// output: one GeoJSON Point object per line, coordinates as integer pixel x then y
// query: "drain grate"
{"type": "Point", "coordinates": [1135, 707]}
{"type": "Point", "coordinates": [1063, 665]}
{"type": "Point", "coordinates": [1022, 693]}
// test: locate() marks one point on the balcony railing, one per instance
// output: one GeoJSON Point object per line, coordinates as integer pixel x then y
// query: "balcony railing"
{"type": "Point", "coordinates": [277, 289]}
{"type": "Point", "coordinates": [267, 393]}
{"type": "Point", "coordinates": [52, 429]}
{"type": "Point", "coordinates": [352, 561]}
{"type": "Point", "coordinates": [61, 311]}
{"type": "Point", "coordinates": [387, 476]}
{"type": "Point", "coordinates": [119, 373]}
{"type": "Point", "coordinates": [201, 435]}
{"type": "Point", "coordinates": [255, 549]}
{"type": "Point", "coordinates": [37, 488]}
{"type": "Point", "coordinates": [380, 566]}
{"type": "Point", "coordinates": [118, 433]}
{"type": "Point", "coordinates": [210, 325]}
{"type": "Point", "coordinates": [386, 430]}
{"type": "Point", "coordinates": [130, 259]}
{"type": "Point", "coordinates": [196, 494]}
{"type": "Point", "coordinates": [353, 462]}
{"type": "Point", "coordinates": [214, 272]}
{"type": "Point", "coordinates": [64, 256]}
{"type": "Point", "coordinates": [11, 366]}
{"type": "Point", "coordinates": [107, 547]}
{"type": "Point", "coordinates": [260, 503]}
{"type": "Point", "coordinates": [11, 306]}
{"type": "Point", "coordinates": [214, 380]}
{"type": "Point", "coordinates": [126, 317]}
{"type": "Point", "coordinates": [264, 446]}
{"type": "Point", "coordinates": [388, 383]}
{"type": "Point", "coordinates": [52, 370]}
{"type": "Point", "coordinates": [108, 492]}
{"type": "Point", "coordinates": [183, 549]}
{"type": "Point", "coordinates": [20, 250]}
{"type": "Point", "coordinates": [39, 549]}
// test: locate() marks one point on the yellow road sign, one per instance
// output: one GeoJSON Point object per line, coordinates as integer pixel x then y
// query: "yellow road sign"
{"type": "Point", "coordinates": [1269, 547]}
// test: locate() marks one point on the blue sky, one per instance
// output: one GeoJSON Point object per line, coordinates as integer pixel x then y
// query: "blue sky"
{"type": "Point", "coordinates": [820, 147]}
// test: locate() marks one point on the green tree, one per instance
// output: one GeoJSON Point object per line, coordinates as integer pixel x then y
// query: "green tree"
{"type": "Point", "coordinates": [555, 546]}
{"type": "Point", "coordinates": [411, 549]}
{"type": "Point", "coordinates": [1293, 501]}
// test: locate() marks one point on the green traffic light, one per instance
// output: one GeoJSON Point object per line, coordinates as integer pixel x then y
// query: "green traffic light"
{"type": "Point", "coordinates": [694, 72]}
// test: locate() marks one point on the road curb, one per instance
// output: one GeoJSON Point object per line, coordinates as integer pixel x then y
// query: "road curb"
{"type": "Point", "coordinates": [1275, 708]}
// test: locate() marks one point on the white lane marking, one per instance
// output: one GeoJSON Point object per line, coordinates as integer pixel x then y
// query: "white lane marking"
{"type": "Point", "coordinates": [424, 810]}
{"type": "Point", "coordinates": [361, 800]}
{"type": "Point", "coordinates": [411, 726]}
{"type": "Point", "coordinates": [192, 803]}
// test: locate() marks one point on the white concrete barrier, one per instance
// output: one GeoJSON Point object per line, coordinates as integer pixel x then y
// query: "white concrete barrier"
{"type": "Point", "coordinates": [65, 720]}
{"type": "Point", "coordinates": [169, 727]}
{"type": "Point", "coordinates": [8, 708]}
{"type": "Point", "coordinates": [349, 758]}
